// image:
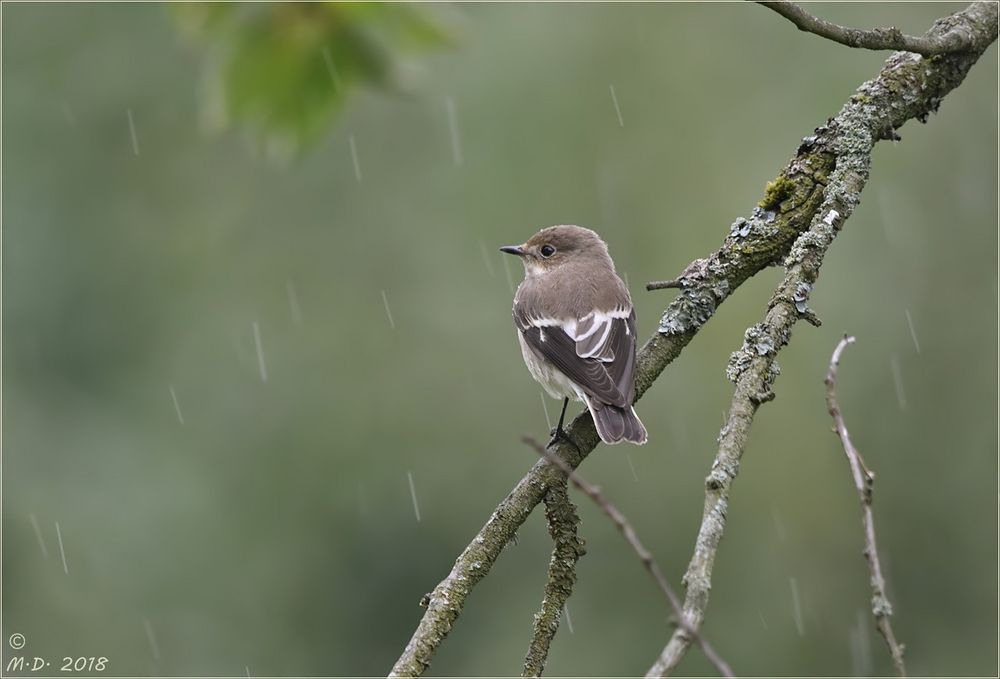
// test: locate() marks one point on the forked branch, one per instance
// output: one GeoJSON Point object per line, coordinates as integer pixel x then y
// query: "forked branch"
{"type": "Point", "coordinates": [648, 562]}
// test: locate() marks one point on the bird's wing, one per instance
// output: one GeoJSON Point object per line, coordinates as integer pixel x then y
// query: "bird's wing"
{"type": "Point", "coordinates": [597, 352]}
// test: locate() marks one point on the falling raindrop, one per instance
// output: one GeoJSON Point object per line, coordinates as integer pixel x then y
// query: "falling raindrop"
{"type": "Point", "coordinates": [293, 302]}
{"type": "Point", "coordinates": [632, 467]}
{"type": "Point", "coordinates": [38, 534]}
{"type": "Point", "coordinates": [913, 333]}
{"type": "Point", "coordinates": [261, 363]}
{"type": "Point", "coordinates": [331, 69]}
{"type": "Point", "coordinates": [897, 378]}
{"type": "Point", "coordinates": [762, 620]}
{"type": "Point", "coordinates": [486, 258]}
{"type": "Point", "coordinates": [510, 281]}
{"type": "Point", "coordinates": [247, 668]}
{"type": "Point", "coordinates": [413, 494]}
{"type": "Point", "coordinates": [779, 525]}
{"type": "Point", "coordinates": [62, 551]}
{"type": "Point", "coordinates": [135, 137]}
{"type": "Point", "coordinates": [456, 142]}
{"type": "Point", "coordinates": [385, 301]}
{"type": "Point", "coordinates": [797, 607]}
{"type": "Point", "coordinates": [618, 111]}
{"type": "Point", "coordinates": [177, 405]}
{"type": "Point", "coordinates": [153, 646]}
{"type": "Point", "coordinates": [545, 407]}
{"type": "Point", "coordinates": [354, 158]}
{"type": "Point", "coordinates": [861, 648]}
{"type": "Point", "coordinates": [569, 620]}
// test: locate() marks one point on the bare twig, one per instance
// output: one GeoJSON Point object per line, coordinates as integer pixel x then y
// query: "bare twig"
{"type": "Point", "coordinates": [863, 482]}
{"type": "Point", "coordinates": [626, 529]}
{"type": "Point", "coordinates": [907, 87]}
{"type": "Point", "coordinates": [874, 38]}
{"type": "Point", "coordinates": [566, 551]}
{"type": "Point", "coordinates": [664, 285]}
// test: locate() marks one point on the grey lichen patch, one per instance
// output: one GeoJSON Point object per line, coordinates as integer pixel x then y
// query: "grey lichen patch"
{"type": "Point", "coordinates": [755, 360]}
{"type": "Point", "coordinates": [720, 288]}
{"type": "Point", "coordinates": [688, 312]}
{"type": "Point", "coordinates": [757, 341]}
{"type": "Point", "coordinates": [761, 224]}
{"type": "Point", "coordinates": [722, 433]}
{"type": "Point", "coordinates": [811, 241]}
{"type": "Point", "coordinates": [881, 606]}
{"type": "Point", "coordinates": [801, 297]}
{"type": "Point", "coordinates": [740, 228]}
{"type": "Point", "coordinates": [716, 480]}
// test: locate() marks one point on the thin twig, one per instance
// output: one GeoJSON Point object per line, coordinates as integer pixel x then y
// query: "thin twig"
{"type": "Point", "coordinates": [863, 482]}
{"type": "Point", "coordinates": [567, 549]}
{"type": "Point", "coordinates": [664, 285]}
{"type": "Point", "coordinates": [626, 529]}
{"type": "Point", "coordinates": [872, 38]}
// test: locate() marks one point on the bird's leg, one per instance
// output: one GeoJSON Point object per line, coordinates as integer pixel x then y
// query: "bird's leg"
{"type": "Point", "coordinates": [559, 434]}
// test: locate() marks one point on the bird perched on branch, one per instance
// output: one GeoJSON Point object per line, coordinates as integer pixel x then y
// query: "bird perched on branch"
{"type": "Point", "coordinates": [576, 326]}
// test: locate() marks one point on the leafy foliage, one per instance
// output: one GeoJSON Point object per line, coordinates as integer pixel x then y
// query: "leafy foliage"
{"type": "Point", "coordinates": [287, 69]}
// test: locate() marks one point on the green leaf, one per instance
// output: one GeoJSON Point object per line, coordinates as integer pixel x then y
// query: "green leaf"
{"type": "Point", "coordinates": [288, 69]}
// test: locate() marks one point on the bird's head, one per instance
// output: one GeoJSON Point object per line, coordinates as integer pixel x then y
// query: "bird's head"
{"type": "Point", "coordinates": [556, 246]}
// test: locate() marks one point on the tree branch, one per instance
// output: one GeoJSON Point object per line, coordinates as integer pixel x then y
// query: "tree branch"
{"type": "Point", "coordinates": [907, 88]}
{"type": "Point", "coordinates": [753, 368]}
{"type": "Point", "coordinates": [626, 529]}
{"type": "Point", "coordinates": [956, 39]}
{"type": "Point", "coordinates": [864, 481]}
{"type": "Point", "coordinates": [566, 551]}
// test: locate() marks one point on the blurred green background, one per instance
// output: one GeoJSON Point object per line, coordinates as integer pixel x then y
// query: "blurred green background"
{"type": "Point", "coordinates": [217, 523]}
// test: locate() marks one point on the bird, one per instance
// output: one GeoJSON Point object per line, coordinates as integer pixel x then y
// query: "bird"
{"type": "Point", "coordinates": [576, 327]}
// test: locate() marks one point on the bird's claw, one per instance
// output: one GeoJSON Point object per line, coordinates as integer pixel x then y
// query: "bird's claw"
{"type": "Point", "coordinates": [559, 434]}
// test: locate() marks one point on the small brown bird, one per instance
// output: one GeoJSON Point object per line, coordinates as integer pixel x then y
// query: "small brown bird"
{"type": "Point", "coordinates": [576, 326]}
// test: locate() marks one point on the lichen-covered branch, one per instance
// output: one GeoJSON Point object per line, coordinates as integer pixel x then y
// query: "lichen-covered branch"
{"type": "Point", "coordinates": [907, 87]}
{"type": "Point", "coordinates": [645, 556]}
{"type": "Point", "coordinates": [567, 548]}
{"type": "Point", "coordinates": [956, 38]}
{"type": "Point", "coordinates": [753, 368]}
{"type": "Point", "coordinates": [864, 481]}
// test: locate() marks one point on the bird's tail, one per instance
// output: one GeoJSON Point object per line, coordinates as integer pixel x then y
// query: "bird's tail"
{"type": "Point", "coordinates": [615, 425]}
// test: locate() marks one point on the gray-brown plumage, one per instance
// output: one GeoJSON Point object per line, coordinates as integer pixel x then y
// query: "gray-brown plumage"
{"type": "Point", "coordinates": [576, 326]}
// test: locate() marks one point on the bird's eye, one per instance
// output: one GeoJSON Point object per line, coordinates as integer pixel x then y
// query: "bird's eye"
{"type": "Point", "coordinates": [548, 251]}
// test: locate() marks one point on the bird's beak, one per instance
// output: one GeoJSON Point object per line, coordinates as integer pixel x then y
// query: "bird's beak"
{"type": "Point", "coordinates": [513, 250]}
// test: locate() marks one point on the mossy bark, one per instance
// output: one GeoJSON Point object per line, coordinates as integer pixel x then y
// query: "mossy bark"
{"type": "Point", "coordinates": [560, 512]}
